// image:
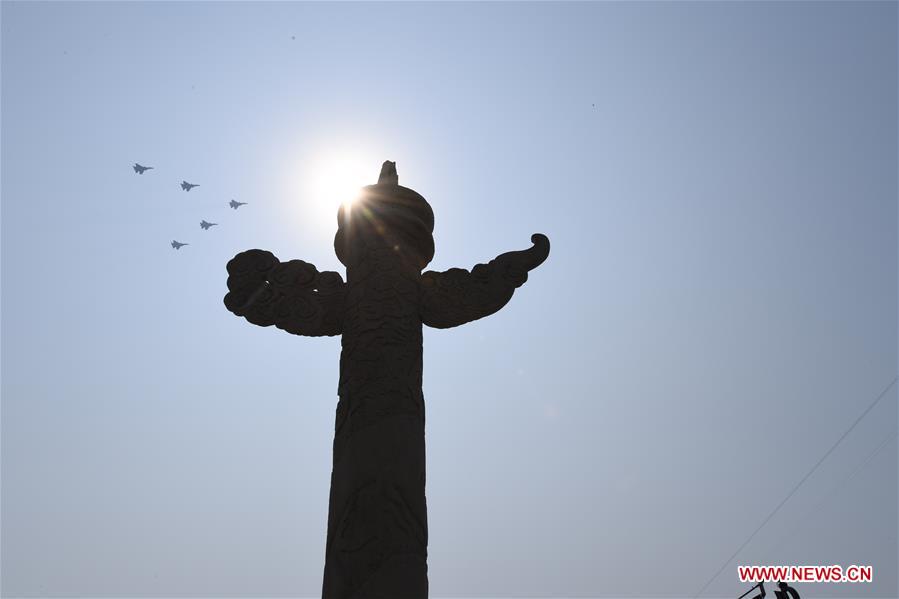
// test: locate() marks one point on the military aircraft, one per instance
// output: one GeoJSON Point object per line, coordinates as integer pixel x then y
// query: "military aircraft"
{"type": "Point", "coordinates": [177, 245]}
{"type": "Point", "coordinates": [235, 204]}
{"type": "Point", "coordinates": [205, 226]}
{"type": "Point", "coordinates": [187, 186]}
{"type": "Point", "coordinates": [140, 169]}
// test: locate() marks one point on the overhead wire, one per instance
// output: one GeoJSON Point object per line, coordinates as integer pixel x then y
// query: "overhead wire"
{"type": "Point", "coordinates": [797, 486]}
{"type": "Point", "coordinates": [845, 480]}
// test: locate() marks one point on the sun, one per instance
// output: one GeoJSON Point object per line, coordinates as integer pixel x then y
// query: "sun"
{"type": "Point", "coordinates": [337, 178]}
{"type": "Point", "coordinates": [331, 175]}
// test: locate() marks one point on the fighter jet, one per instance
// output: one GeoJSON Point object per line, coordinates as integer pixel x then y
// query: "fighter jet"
{"type": "Point", "coordinates": [235, 204]}
{"type": "Point", "coordinates": [187, 186]}
{"type": "Point", "coordinates": [177, 245]}
{"type": "Point", "coordinates": [140, 169]}
{"type": "Point", "coordinates": [205, 226]}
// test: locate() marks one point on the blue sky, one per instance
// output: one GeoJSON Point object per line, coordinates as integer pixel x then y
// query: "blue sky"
{"type": "Point", "coordinates": [718, 181]}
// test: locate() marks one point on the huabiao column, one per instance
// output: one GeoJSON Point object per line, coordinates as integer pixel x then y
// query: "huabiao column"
{"type": "Point", "coordinates": [377, 517]}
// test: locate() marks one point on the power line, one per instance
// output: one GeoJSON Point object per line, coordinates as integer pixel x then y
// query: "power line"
{"type": "Point", "coordinates": [858, 468]}
{"type": "Point", "coordinates": [796, 488]}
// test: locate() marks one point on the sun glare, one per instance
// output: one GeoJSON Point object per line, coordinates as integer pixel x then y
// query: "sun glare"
{"type": "Point", "coordinates": [337, 179]}
{"type": "Point", "coordinates": [331, 177]}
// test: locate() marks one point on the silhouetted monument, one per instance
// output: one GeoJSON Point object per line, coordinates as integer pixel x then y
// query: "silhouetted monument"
{"type": "Point", "coordinates": [784, 591]}
{"type": "Point", "coordinates": [377, 522]}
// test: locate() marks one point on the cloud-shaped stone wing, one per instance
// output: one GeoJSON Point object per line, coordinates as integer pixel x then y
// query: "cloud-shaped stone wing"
{"type": "Point", "coordinates": [457, 296]}
{"type": "Point", "coordinates": [292, 295]}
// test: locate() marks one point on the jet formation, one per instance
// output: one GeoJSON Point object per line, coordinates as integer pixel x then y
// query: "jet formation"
{"type": "Point", "coordinates": [205, 225]}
